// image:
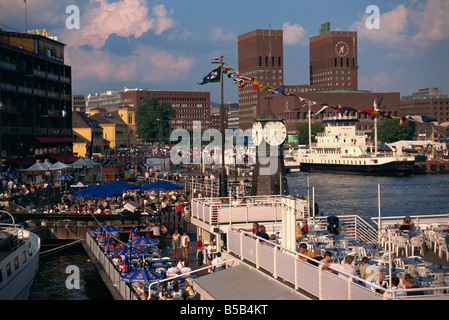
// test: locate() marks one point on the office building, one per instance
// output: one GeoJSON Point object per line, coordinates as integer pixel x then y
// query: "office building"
{"type": "Point", "coordinates": [36, 97]}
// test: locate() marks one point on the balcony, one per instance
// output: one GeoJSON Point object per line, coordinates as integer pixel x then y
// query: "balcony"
{"type": "Point", "coordinates": [8, 65]}
{"type": "Point", "coordinates": [39, 73]}
{"type": "Point", "coordinates": [211, 213]}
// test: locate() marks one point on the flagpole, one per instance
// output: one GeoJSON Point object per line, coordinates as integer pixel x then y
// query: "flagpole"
{"type": "Point", "coordinates": [26, 22]}
{"type": "Point", "coordinates": [223, 178]}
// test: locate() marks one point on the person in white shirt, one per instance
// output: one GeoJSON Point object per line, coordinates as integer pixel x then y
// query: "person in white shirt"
{"type": "Point", "coordinates": [218, 262]}
{"type": "Point", "coordinates": [185, 245]}
{"type": "Point", "coordinates": [172, 271]}
{"type": "Point", "coordinates": [343, 270]}
{"type": "Point", "coordinates": [186, 269]}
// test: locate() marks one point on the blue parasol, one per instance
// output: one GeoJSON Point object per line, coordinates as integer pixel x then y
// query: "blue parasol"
{"type": "Point", "coordinates": [161, 185]}
{"type": "Point", "coordinates": [110, 189]}
{"type": "Point", "coordinates": [108, 228]}
{"type": "Point", "coordinates": [126, 250]}
{"type": "Point", "coordinates": [109, 247]}
{"type": "Point", "coordinates": [142, 276]}
{"type": "Point", "coordinates": [103, 239]}
{"type": "Point", "coordinates": [133, 234]}
{"type": "Point", "coordinates": [144, 241]}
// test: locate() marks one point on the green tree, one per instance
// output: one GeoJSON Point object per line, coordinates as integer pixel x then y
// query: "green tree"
{"type": "Point", "coordinates": [302, 131]}
{"type": "Point", "coordinates": [390, 130]}
{"type": "Point", "coordinates": [152, 118]}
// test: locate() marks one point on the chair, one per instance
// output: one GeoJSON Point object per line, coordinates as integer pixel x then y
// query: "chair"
{"type": "Point", "coordinates": [422, 271]}
{"type": "Point", "coordinates": [401, 243]}
{"type": "Point", "coordinates": [417, 243]}
{"type": "Point", "coordinates": [442, 249]}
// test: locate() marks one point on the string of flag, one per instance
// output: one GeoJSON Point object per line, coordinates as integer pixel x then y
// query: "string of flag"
{"type": "Point", "coordinates": [243, 81]}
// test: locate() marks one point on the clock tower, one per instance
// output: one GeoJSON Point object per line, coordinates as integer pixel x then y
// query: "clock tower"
{"type": "Point", "coordinates": [333, 59]}
{"type": "Point", "coordinates": [269, 133]}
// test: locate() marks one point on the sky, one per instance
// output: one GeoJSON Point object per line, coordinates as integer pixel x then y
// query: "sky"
{"type": "Point", "coordinates": [169, 45]}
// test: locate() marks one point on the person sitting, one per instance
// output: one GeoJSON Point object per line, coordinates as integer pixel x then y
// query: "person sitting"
{"type": "Point", "coordinates": [304, 228]}
{"type": "Point", "coordinates": [343, 270]}
{"type": "Point", "coordinates": [365, 264]}
{"type": "Point", "coordinates": [407, 224]}
{"type": "Point", "coordinates": [408, 282]}
{"type": "Point", "coordinates": [172, 271]}
{"type": "Point", "coordinates": [262, 233]}
{"type": "Point", "coordinates": [305, 252]}
{"type": "Point", "coordinates": [185, 269]}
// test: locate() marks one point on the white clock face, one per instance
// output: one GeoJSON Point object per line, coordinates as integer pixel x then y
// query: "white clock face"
{"type": "Point", "coordinates": [275, 133]}
{"type": "Point", "coordinates": [257, 133]}
{"type": "Point", "coordinates": [342, 48]}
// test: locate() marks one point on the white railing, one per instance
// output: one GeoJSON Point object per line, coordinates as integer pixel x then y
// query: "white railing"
{"type": "Point", "coordinates": [214, 211]}
{"type": "Point", "coordinates": [423, 221]}
{"type": "Point", "coordinates": [352, 226]}
{"type": "Point", "coordinates": [324, 285]}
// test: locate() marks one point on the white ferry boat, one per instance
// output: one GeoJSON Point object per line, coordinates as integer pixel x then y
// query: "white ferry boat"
{"type": "Point", "coordinates": [342, 149]}
{"type": "Point", "coordinates": [19, 260]}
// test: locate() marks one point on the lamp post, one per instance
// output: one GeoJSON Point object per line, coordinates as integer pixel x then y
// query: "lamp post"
{"type": "Point", "coordinates": [64, 115]}
{"type": "Point", "coordinates": [1, 137]}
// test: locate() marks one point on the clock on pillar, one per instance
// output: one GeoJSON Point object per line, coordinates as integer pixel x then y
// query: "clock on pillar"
{"type": "Point", "coordinates": [269, 127]}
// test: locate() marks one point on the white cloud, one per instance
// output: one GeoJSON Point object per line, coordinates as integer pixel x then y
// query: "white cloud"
{"type": "Point", "coordinates": [293, 34]}
{"type": "Point", "coordinates": [391, 33]}
{"type": "Point", "coordinates": [219, 34]}
{"type": "Point", "coordinates": [125, 18]}
{"type": "Point", "coordinates": [382, 81]}
{"type": "Point", "coordinates": [433, 22]}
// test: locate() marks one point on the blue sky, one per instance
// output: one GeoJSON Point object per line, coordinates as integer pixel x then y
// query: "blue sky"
{"type": "Point", "coordinates": [168, 45]}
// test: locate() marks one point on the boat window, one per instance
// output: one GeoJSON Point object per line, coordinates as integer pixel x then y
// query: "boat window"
{"type": "Point", "coordinates": [16, 263]}
{"type": "Point", "coordinates": [24, 257]}
{"type": "Point", "coordinates": [8, 269]}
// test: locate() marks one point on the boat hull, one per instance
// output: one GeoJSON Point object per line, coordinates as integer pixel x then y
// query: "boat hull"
{"type": "Point", "coordinates": [17, 283]}
{"type": "Point", "coordinates": [396, 168]}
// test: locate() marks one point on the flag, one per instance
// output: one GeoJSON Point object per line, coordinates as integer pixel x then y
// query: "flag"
{"type": "Point", "coordinates": [370, 112]}
{"type": "Point", "coordinates": [213, 76]}
{"type": "Point", "coordinates": [256, 84]}
{"type": "Point", "coordinates": [325, 106]}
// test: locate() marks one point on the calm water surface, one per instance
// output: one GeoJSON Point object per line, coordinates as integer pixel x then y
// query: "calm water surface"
{"type": "Point", "coordinates": [50, 280]}
{"type": "Point", "coordinates": [353, 194]}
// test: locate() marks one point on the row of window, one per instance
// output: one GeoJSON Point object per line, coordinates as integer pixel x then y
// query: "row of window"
{"type": "Point", "coordinates": [8, 268]}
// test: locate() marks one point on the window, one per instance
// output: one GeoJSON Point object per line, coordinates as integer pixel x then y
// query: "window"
{"type": "Point", "coordinates": [8, 269]}
{"type": "Point", "coordinates": [16, 263]}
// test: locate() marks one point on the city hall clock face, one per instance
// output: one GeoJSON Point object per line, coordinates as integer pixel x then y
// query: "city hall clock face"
{"type": "Point", "coordinates": [257, 133]}
{"type": "Point", "coordinates": [342, 48]}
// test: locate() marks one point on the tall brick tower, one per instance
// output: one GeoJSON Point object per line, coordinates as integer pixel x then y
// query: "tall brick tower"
{"type": "Point", "coordinates": [333, 59]}
{"type": "Point", "coordinates": [260, 56]}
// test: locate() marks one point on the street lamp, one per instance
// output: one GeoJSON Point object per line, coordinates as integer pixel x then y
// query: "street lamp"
{"type": "Point", "coordinates": [1, 137]}
{"type": "Point", "coordinates": [64, 115]}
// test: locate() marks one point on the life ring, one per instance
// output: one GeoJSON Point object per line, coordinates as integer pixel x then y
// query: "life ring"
{"type": "Point", "coordinates": [424, 168]}
{"type": "Point", "coordinates": [417, 168]}
{"type": "Point", "coordinates": [433, 167]}
{"type": "Point", "coordinates": [442, 167]}
{"type": "Point", "coordinates": [240, 186]}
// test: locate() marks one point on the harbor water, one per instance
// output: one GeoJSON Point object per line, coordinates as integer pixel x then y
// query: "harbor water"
{"type": "Point", "coordinates": [335, 193]}
{"type": "Point", "coordinates": [344, 194]}
{"type": "Point", "coordinates": [55, 277]}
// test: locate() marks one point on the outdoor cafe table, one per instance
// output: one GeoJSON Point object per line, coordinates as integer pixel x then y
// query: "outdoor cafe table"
{"type": "Point", "coordinates": [411, 262]}
{"type": "Point", "coordinates": [393, 270]}
{"type": "Point", "coordinates": [422, 281]}
{"type": "Point", "coordinates": [439, 271]}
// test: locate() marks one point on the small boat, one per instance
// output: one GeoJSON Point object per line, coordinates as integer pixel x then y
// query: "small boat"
{"type": "Point", "coordinates": [19, 260]}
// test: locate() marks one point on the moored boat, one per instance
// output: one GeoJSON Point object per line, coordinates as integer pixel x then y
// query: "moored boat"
{"type": "Point", "coordinates": [19, 260]}
{"type": "Point", "coordinates": [341, 149]}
